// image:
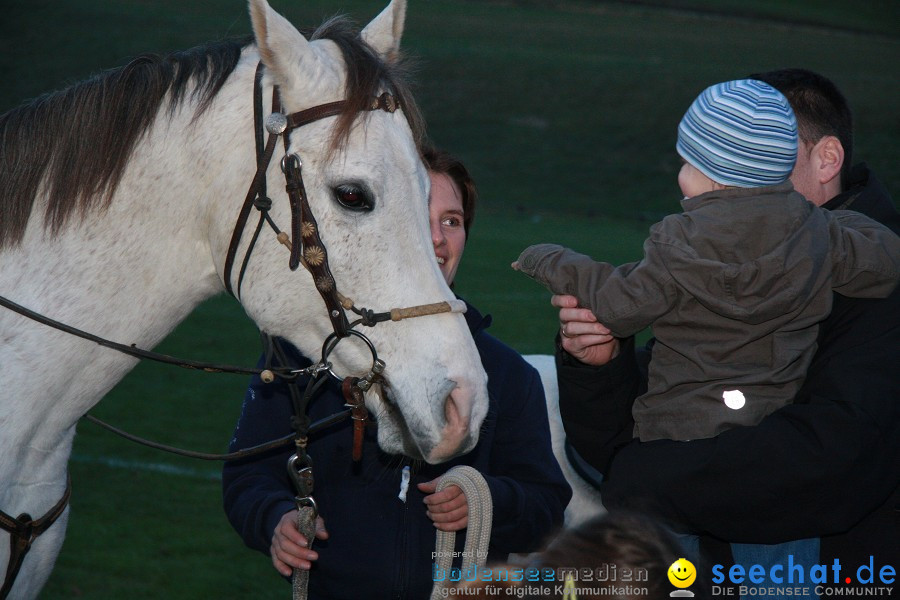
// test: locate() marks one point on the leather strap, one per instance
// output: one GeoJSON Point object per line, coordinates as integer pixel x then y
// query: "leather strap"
{"type": "Point", "coordinates": [353, 398]}
{"type": "Point", "coordinates": [132, 350]}
{"type": "Point", "coordinates": [262, 163]}
{"type": "Point", "coordinates": [310, 115]}
{"type": "Point", "coordinates": [23, 530]}
{"type": "Point", "coordinates": [385, 102]}
{"type": "Point", "coordinates": [306, 240]}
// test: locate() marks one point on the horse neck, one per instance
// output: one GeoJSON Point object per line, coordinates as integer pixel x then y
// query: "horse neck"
{"type": "Point", "coordinates": [133, 271]}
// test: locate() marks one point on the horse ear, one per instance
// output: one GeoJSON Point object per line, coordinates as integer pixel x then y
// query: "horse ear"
{"type": "Point", "coordinates": [281, 46]}
{"type": "Point", "coordinates": [384, 32]}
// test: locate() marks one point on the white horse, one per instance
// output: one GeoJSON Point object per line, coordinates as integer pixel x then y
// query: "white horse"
{"type": "Point", "coordinates": [586, 502]}
{"type": "Point", "coordinates": [118, 198]}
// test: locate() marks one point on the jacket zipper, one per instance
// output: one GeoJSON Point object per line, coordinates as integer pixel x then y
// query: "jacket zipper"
{"type": "Point", "coordinates": [402, 582]}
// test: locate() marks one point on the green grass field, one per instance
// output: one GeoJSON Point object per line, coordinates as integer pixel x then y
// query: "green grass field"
{"type": "Point", "coordinates": [566, 114]}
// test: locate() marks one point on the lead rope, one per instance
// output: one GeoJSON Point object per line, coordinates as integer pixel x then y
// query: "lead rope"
{"type": "Point", "coordinates": [306, 523]}
{"type": "Point", "coordinates": [478, 531]}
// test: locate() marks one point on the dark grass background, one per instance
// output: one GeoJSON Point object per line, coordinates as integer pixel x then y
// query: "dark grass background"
{"type": "Point", "coordinates": [565, 111]}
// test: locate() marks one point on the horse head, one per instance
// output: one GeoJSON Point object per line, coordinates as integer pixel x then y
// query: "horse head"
{"type": "Point", "coordinates": [368, 190]}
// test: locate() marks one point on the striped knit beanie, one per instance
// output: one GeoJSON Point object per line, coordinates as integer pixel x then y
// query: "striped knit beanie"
{"type": "Point", "coordinates": [740, 133]}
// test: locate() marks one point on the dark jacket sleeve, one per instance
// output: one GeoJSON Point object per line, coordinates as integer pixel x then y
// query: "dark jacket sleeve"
{"type": "Point", "coordinates": [814, 467]}
{"type": "Point", "coordinates": [257, 491]}
{"type": "Point", "coordinates": [528, 489]}
{"type": "Point", "coordinates": [865, 255]}
{"type": "Point", "coordinates": [595, 403]}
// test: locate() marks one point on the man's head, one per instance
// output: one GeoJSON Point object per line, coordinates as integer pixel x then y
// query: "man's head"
{"type": "Point", "coordinates": [740, 134]}
{"type": "Point", "coordinates": [826, 131]}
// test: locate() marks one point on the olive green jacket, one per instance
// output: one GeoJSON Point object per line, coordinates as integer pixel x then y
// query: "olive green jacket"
{"type": "Point", "coordinates": [734, 289]}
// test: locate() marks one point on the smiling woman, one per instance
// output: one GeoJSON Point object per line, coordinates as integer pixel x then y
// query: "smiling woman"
{"type": "Point", "coordinates": [449, 219]}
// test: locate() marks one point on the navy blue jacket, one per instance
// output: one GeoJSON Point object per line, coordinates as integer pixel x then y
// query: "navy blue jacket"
{"type": "Point", "coordinates": [379, 546]}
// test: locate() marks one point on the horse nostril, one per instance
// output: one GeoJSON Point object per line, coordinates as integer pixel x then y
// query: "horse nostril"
{"type": "Point", "coordinates": [457, 411]}
{"type": "Point", "coordinates": [451, 413]}
{"type": "Point", "coordinates": [455, 434]}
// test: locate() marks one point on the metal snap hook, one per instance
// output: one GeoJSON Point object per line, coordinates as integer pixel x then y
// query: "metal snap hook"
{"type": "Point", "coordinates": [301, 472]}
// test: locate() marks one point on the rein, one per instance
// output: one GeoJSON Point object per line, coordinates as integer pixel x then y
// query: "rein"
{"type": "Point", "coordinates": [140, 353]}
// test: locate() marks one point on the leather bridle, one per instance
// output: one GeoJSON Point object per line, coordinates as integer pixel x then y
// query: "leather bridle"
{"type": "Point", "coordinates": [306, 248]}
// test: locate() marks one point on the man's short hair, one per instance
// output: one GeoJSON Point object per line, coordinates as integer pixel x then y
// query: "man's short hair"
{"type": "Point", "coordinates": [820, 107]}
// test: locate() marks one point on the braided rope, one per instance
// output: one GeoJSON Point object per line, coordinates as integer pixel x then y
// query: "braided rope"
{"type": "Point", "coordinates": [306, 522]}
{"type": "Point", "coordinates": [478, 531]}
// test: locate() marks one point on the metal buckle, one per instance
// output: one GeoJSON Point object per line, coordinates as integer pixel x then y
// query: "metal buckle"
{"type": "Point", "coordinates": [366, 381]}
{"type": "Point", "coordinates": [290, 162]}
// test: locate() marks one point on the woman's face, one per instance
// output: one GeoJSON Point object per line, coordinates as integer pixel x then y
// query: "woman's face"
{"type": "Point", "coordinates": [446, 216]}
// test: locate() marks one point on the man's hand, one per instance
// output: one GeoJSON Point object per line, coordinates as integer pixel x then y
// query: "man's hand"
{"type": "Point", "coordinates": [582, 335]}
{"type": "Point", "coordinates": [448, 508]}
{"type": "Point", "coordinates": [290, 549]}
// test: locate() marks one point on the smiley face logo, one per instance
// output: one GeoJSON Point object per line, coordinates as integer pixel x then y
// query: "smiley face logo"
{"type": "Point", "coordinates": [682, 573]}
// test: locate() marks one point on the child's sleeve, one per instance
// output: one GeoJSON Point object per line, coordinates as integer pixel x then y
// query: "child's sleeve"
{"type": "Point", "coordinates": [626, 299]}
{"type": "Point", "coordinates": [865, 256]}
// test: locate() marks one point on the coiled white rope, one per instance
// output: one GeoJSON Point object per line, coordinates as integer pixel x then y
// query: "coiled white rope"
{"type": "Point", "coordinates": [478, 531]}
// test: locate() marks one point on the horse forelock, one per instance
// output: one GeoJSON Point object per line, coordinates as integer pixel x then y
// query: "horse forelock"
{"type": "Point", "coordinates": [74, 144]}
{"type": "Point", "coordinates": [367, 76]}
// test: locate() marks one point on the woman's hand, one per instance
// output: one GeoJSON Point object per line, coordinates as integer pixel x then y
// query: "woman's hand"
{"type": "Point", "coordinates": [290, 549]}
{"type": "Point", "coordinates": [448, 508]}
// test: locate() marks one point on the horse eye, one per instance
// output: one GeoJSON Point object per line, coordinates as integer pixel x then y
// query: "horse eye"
{"type": "Point", "coordinates": [354, 197]}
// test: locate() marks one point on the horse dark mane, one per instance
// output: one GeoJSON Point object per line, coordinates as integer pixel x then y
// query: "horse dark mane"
{"type": "Point", "coordinates": [74, 144]}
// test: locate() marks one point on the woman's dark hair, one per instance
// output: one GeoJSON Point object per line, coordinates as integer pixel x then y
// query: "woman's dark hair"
{"type": "Point", "coordinates": [445, 163]}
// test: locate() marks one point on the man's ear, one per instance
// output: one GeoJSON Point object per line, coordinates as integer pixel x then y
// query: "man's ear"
{"type": "Point", "coordinates": [828, 159]}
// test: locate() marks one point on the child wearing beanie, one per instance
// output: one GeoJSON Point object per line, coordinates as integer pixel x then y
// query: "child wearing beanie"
{"type": "Point", "coordinates": [735, 286]}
